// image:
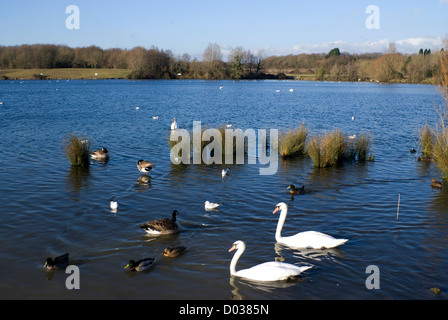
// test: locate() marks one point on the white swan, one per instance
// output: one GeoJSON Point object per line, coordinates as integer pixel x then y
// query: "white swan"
{"type": "Point", "coordinates": [174, 124]}
{"type": "Point", "coordinates": [268, 271]}
{"type": "Point", "coordinates": [307, 239]}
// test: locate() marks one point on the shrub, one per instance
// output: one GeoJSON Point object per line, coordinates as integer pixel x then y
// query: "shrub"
{"type": "Point", "coordinates": [327, 150]}
{"type": "Point", "coordinates": [292, 143]}
{"type": "Point", "coordinates": [426, 138]}
{"type": "Point", "coordinates": [77, 150]}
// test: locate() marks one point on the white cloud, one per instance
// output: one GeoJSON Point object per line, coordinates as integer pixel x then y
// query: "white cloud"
{"type": "Point", "coordinates": [410, 45]}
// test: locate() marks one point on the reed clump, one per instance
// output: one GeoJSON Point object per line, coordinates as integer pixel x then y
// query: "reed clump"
{"type": "Point", "coordinates": [327, 150]}
{"type": "Point", "coordinates": [334, 149]}
{"type": "Point", "coordinates": [77, 150]}
{"type": "Point", "coordinates": [292, 143]}
{"type": "Point", "coordinates": [426, 139]}
{"type": "Point", "coordinates": [440, 153]}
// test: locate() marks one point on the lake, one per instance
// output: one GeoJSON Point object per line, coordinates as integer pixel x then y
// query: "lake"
{"type": "Point", "coordinates": [49, 207]}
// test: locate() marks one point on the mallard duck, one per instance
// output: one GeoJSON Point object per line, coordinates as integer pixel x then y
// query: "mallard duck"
{"type": "Point", "coordinates": [162, 226]}
{"type": "Point", "coordinates": [174, 252]}
{"type": "Point", "coordinates": [57, 263]}
{"type": "Point", "coordinates": [294, 190]}
{"type": "Point", "coordinates": [99, 154]}
{"type": "Point", "coordinates": [436, 184]}
{"type": "Point", "coordinates": [144, 166]}
{"type": "Point", "coordinates": [141, 265]}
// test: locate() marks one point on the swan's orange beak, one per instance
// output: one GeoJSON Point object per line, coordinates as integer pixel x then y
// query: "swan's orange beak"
{"type": "Point", "coordinates": [276, 209]}
{"type": "Point", "coordinates": [231, 249]}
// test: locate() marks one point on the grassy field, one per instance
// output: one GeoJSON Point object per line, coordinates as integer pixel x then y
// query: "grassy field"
{"type": "Point", "coordinates": [63, 73]}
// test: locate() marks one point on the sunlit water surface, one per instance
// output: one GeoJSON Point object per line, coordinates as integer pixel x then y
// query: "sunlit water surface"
{"type": "Point", "coordinates": [49, 208]}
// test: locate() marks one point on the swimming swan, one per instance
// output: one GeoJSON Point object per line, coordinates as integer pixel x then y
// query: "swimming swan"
{"type": "Point", "coordinates": [267, 271]}
{"type": "Point", "coordinates": [307, 239]}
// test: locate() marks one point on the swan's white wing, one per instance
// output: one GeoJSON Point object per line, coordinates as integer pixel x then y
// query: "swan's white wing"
{"type": "Point", "coordinates": [313, 240]}
{"type": "Point", "coordinates": [271, 271]}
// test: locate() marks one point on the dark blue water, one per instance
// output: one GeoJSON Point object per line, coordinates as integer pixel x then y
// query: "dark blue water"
{"type": "Point", "coordinates": [49, 208]}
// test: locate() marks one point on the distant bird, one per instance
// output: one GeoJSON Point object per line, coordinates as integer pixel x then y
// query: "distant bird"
{"type": "Point", "coordinates": [113, 204]}
{"type": "Point", "coordinates": [102, 153]}
{"type": "Point", "coordinates": [155, 118]}
{"type": "Point", "coordinates": [413, 150]}
{"type": "Point", "coordinates": [277, 90]}
{"type": "Point", "coordinates": [210, 205]}
{"type": "Point", "coordinates": [174, 124]}
{"type": "Point", "coordinates": [221, 87]}
{"type": "Point", "coordinates": [436, 184]}
{"type": "Point", "coordinates": [353, 117]}
{"type": "Point", "coordinates": [57, 263]}
{"type": "Point", "coordinates": [224, 172]}
{"type": "Point", "coordinates": [144, 166]}
{"type": "Point", "coordinates": [174, 252]}
{"type": "Point", "coordinates": [162, 226]}
{"type": "Point", "coordinates": [352, 136]}
{"type": "Point", "coordinates": [291, 90]}
{"type": "Point", "coordinates": [294, 190]}
{"type": "Point", "coordinates": [1, 102]}
{"type": "Point", "coordinates": [228, 125]}
{"type": "Point", "coordinates": [136, 108]}
{"type": "Point", "coordinates": [141, 265]}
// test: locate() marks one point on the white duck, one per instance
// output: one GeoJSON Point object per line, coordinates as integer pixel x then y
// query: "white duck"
{"type": "Point", "coordinates": [267, 271]}
{"type": "Point", "coordinates": [211, 205]}
{"type": "Point", "coordinates": [174, 124]}
{"type": "Point", "coordinates": [224, 172]}
{"type": "Point", "coordinates": [306, 239]}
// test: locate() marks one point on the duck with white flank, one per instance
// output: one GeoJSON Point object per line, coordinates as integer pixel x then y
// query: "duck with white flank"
{"type": "Point", "coordinates": [162, 226]}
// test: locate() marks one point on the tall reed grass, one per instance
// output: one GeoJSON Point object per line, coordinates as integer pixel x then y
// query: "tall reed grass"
{"type": "Point", "coordinates": [77, 150]}
{"type": "Point", "coordinates": [292, 143]}
{"type": "Point", "coordinates": [426, 140]}
{"type": "Point", "coordinates": [333, 149]}
{"type": "Point", "coordinates": [440, 153]}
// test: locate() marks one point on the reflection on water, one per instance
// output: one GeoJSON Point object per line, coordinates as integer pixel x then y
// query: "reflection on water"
{"type": "Point", "coordinates": [357, 201]}
{"type": "Point", "coordinates": [78, 178]}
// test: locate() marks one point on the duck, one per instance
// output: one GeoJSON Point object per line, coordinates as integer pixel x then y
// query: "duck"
{"type": "Point", "coordinates": [267, 271]}
{"type": "Point", "coordinates": [144, 166]}
{"type": "Point", "coordinates": [113, 204]}
{"type": "Point", "coordinates": [102, 153]}
{"type": "Point", "coordinates": [174, 124]}
{"type": "Point", "coordinates": [155, 118]}
{"type": "Point", "coordinates": [306, 239]}
{"type": "Point", "coordinates": [140, 265]}
{"type": "Point", "coordinates": [436, 184]}
{"type": "Point", "coordinates": [413, 150]}
{"type": "Point", "coordinates": [57, 263]}
{"type": "Point", "coordinates": [174, 252]}
{"type": "Point", "coordinates": [211, 205]}
{"type": "Point", "coordinates": [294, 190]}
{"type": "Point", "coordinates": [224, 172]}
{"type": "Point", "coordinates": [162, 226]}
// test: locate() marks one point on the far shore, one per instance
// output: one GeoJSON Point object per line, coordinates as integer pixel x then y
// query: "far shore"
{"type": "Point", "coordinates": [89, 74]}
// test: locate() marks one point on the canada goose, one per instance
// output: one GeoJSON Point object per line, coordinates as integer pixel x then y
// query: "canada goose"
{"type": "Point", "coordinates": [57, 263]}
{"type": "Point", "coordinates": [294, 190]}
{"type": "Point", "coordinates": [174, 252]}
{"type": "Point", "coordinates": [99, 154]}
{"type": "Point", "coordinates": [162, 226]}
{"type": "Point", "coordinates": [307, 239]}
{"type": "Point", "coordinates": [144, 166]}
{"type": "Point", "coordinates": [140, 265]}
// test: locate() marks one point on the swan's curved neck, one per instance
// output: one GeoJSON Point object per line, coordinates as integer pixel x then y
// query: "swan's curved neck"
{"type": "Point", "coordinates": [235, 258]}
{"type": "Point", "coordinates": [281, 222]}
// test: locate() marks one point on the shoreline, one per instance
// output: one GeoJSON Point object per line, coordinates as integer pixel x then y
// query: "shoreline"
{"type": "Point", "coordinates": [110, 74]}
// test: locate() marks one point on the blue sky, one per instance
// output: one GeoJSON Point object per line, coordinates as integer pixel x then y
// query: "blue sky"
{"type": "Point", "coordinates": [277, 27]}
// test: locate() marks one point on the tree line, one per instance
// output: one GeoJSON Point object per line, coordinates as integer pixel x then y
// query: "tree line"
{"type": "Point", "coordinates": [155, 63]}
